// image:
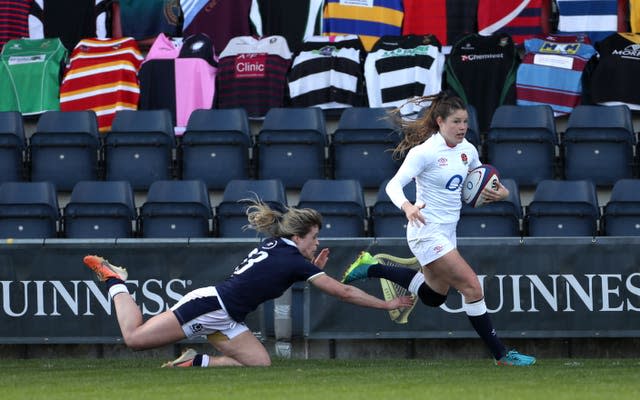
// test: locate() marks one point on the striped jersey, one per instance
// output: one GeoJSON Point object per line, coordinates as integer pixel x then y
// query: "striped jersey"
{"type": "Point", "coordinates": [399, 68]}
{"type": "Point", "coordinates": [30, 72]}
{"type": "Point", "coordinates": [369, 19]}
{"type": "Point", "coordinates": [551, 72]}
{"type": "Point", "coordinates": [102, 76]}
{"type": "Point", "coordinates": [71, 20]}
{"type": "Point", "coordinates": [522, 19]}
{"type": "Point", "coordinates": [252, 74]}
{"type": "Point", "coordinates": [613, 79]}
{"type": "Point", "coordinates": [446, 19]}
{"type": "Point", "coordinates": [597, 18]}
{"type": "Point", "coordinates": [14, 19]}
{"type": "Point", "coordinates": [221, 20]}
{"type": "Point", "coordinates": [296, 20]}
{"type": "Point", "coordinates": [327, 73]}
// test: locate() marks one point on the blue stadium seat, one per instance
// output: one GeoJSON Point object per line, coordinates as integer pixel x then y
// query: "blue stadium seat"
{"type": "Point", "coordinates": [215, 147]}
{"type": "Point", "coordinates": [12, 146]}
{"type": "Point", "coordinates": [521, 143]}
{"type": "Point", "coordinates": [139, 147]}
{"type": "Point", "coordinates": [621, 215]}
{"type": "Point", "coordinates": [291, 146]}
{"type": "Point", "coordinates": [387, 220]}
{"type": "Point", "coordinates": [473, 130]}
{"type": "Point", "coordinates": [598, 144]}
{"type": "Point", "coordinates": [231, 214]}
{"type": "Point", "coordinates": [176, 209]}
{"type": "Point", "coordinates": [341, 203]}
{"type": "Point", "coordinates": [563, 208]}
{"type": "Point", "coordinates": [28, 210]}
{"type": "Point", "coordinates": [100, 209]}
{"type": "Point", "coordinates": [497, 219]}
{"type": "Point", "coordinates": [64, 148]}
{"type": "Point", "coordinates": [361, 146]}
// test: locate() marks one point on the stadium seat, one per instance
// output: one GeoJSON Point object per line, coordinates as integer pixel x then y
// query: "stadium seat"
{"type": "Point", "coordinates": [100, 209]}
{"type": "Point", "coordinates": [341, 203]}
{"type": "Point", "coordinates": [215, 147]}
{"type": "Point", "coordinates": [621, 215]}
{"type": "Point", "coordinates": [291, 146]}
{"type": "Point", "coordinates": [231, 214]}
{"type": "Point", "coordinates": [387, 220]}
{"type": "Point", "coordinates": [361, 146]}
{"type": "Point", "coordinates": [521, 143]}
{"type": "Point", "coordinates": [64, 148]}
{"type": "Point", "coordinates": [139, 148]}
{"type": "Point", "coordinates": [473, 130]}
{"type": "Point", "coordinates": [12, 146]}
{"type": "Point", "coordinates": [598, 144]}
{"type": "Point", "coordinates": [496, 219]}
{"type": "Point", "coordinates": [176, 209]}
{"type": "Point", "coordinates": [563, 208]}
{"type": "Point", "coordinates": [28, 210]}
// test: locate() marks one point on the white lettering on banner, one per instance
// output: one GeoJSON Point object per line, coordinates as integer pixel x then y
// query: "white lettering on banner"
{"type": "Point", "coordinates": [540, 294]}
{"type": "Point", "coordinates": [55, 298]}
{"type": "Point", "coordinates": [530, 293]}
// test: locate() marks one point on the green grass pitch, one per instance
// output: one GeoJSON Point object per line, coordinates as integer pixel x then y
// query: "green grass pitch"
{"type": "Point", "coordinates": [321, 379]}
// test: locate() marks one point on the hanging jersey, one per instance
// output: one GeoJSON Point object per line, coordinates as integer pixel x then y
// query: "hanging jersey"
{"type": "Point", "coordinates": [439, 171]}
{"type": "Point", "coordinates": [146, 19]}
{"type": "Point", "coordinates": [482, 71]}
{"type": "Point", "coordinates": [399, 68]}
{"type": "Point", "coordinates": [327, 73]}
{"type": "Point", "coordinates": [30, 75]}
{"type": "Point", "coordinates": [14, 20]}
{"type": "Point", "coordinates": [522, 19]}
{"type": "Point", "coordinates": [597, 18]}
{"type": "Point", "coordinates": [617, 68]}
{"type": "Point", "coordinates": [179, 78]}
{"type": "Point", "coordinates": [221, 20]}
{"type": "Point", "coordinates": [448, 20]}
{"type": "Point", "coordinates": [634, 15]}
{"type": "Point", "coordinates": [252, 74]}
{"type": "Point", "coordinates": [103, 77]}
{"type": "Point", "coordinates": [73, 20]}
{"type": "Point", "coordinates": [164, 48]}
{"type": "Point", "coordinates": [296, 20]}
{"type": "Point", "coordinates": [264, 274]}
{"type": "Point", "coordinates": [369, 19]}
{"type": "Point", "coordinates": [551, 73]}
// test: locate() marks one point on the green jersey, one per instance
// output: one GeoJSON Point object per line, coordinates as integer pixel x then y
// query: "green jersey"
{"type": "Point", "coordinates": [30, 72]}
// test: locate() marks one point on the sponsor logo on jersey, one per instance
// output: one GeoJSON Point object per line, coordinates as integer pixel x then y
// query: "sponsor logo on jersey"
{"type": "Point", "coordinates": [481, 57]}
{"type": "Point", "coordinates": [632, 52]}
{"type": "Point", "coordinates": [18, 60]}
{"type": "Point", "coordinates": [443, 162]}
{"type": "Point", "coordinates": [251, 65]}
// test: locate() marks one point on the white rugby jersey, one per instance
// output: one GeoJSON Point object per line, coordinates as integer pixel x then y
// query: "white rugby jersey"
{"type": "Point", "coordinates": [439, 171]}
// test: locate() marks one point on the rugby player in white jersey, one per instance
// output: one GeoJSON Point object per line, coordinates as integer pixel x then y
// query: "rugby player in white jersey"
{"type": "Point", "coordinates": [438, 157]}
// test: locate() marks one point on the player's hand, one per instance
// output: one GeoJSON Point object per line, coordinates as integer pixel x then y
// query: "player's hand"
{"type": "Point", "coordinates": [498, 193]}
{"type": "Point", "coordinates": [413, 214]}
{"type": "Point", "coordinates": [321, 259]}
{"type": "Point", "coordinates": [400, 302]}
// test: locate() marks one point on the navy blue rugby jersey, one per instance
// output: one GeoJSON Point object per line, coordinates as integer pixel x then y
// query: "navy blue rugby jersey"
{"type": "Point", "coordinates": [264, 274]}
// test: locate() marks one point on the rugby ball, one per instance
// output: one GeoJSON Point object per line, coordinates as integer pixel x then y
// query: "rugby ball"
{"type": "Point", "coordinates": [477, 179]}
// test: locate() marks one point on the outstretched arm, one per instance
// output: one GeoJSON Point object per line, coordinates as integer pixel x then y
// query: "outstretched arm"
{"type": "Point", "coordinates": [352, 294]}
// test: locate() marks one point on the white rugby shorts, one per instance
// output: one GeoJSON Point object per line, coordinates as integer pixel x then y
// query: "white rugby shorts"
{"type": "Point", "coordinates": [432, 241]}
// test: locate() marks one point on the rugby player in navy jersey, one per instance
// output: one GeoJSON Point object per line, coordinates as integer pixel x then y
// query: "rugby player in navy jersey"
{"type": "Point", "coordinates": [288, 255]}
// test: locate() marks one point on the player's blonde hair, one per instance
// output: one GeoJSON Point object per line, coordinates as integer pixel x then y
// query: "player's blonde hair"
{"type": "Point", "coordinates": [417, 131]}
{"type": "Point", "coordinates": [292, 222]}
